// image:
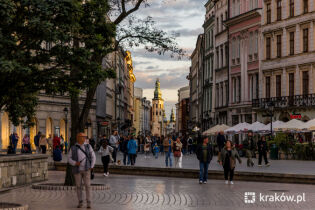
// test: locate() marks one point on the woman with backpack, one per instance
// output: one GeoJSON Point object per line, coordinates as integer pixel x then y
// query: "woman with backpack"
{"type": "Point", "coordinates": [106, 152]}
{"type": "Point", "coordinates": [177, 151]}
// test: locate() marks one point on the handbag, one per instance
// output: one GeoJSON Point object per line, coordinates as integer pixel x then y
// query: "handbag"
{"type": "Point", "coordinates": [177, 153]}
{"type": "Point", "coordinates": [91, 171]}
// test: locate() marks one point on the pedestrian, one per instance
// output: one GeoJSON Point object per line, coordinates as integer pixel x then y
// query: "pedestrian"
{"type": "Point", "coordinates": [26, 145]}
{"type": "Point", "coordinates": [204, 154]}
{"type": "Point", "coordinates": [106, 152]}
{"type": "Point", "coordinates": [50, 143]}
{"type": "Point", "coordinates": [147, 146]}
{"type": "Point", "coordinates": [36, 142]}
{"type": "Point", "coordinates": [56, 142]}
{"type": "Point", "coordinates": [124, 149]}
{"type": "Point", "coordinates": [184, 142]}
{"type": "Point", "coordinates": [156, 149]}
{"type": "Point", "coordinates": [248, 145]}
{"type": "Point", "coordinates": [228, 160]}
{"type": "Point", "coordinates": [220, 143]}
{"type": "Point", "coordinates": [114, 142]}
{"type": "Point", "coordinates": [82, 157]}
{"type": "Point", "coordinates": [189, 143]}
{"type": "Point", "coordinates": [14, 141]}
{"type": "Point", "coordinates": [177, 151]}
{"type": "Point", "coordinates": [168, 149]}
{"type": "Point", "coordinates": [43, 143]}
{"type": "Point", "coordinates": [262, 151]}
{"type": "Point", "coordinates": [62, 142]}
{"type": "Point", "coordinates": [132, 149]}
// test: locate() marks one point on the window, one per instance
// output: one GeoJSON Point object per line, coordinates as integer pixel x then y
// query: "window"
{"type": "Point", "coordinates": [226, 93]}
{"type": "Point", "coordinates": [234, 90]}
{"type": "Point", "coordinates": [211, 36]}
{"type": "Point", "coordinates": [279, 46]}
{"type": "Point", "coordinates": [222, 54]}
{"type": "Point", "coordinates": [278, 86]}
{"type": "Point", "coordinates": [218, 58]}
{"type": "Point", "coordinates": [279, 7]}
{"type": "Point", "coordinates": [222, 26]}
{"type": "Point", "coordinates": [305, 82]}
{"type": "Point", "coordinates": [305, 6]}
{"type": "Point", "coordinates": [257, 86]}
{"type": "Point", "coordinates": [305, 40]}
{"type": "Point", "coordinates": [291, 43]}
{"type": "Point", "coordinates": [291, 84]}
{"type": "Point", "coordinates": [239, 89]}
{"type": "Point", "coordinates": [268, 48]}
{"type": "Point", "coordinates": [267, 87]}
{"type": "Point", "coordinates": [226, 54]}
{"type": "Point", "coordinates": [218, 25]}
{"type": "Point", "coordinates": [268, 13]}
{"type": "Point", "coordinates": [291, 8]}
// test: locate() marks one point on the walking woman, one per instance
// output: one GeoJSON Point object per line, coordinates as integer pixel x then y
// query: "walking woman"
{"type": "Point", "coordinates": [26, 146]}
{"type": "Point", "coordinates": [43, 143]}
{"type": "Point", "coordinates": [177, 151]}
{"type": "Point", "coordinates": [106, 152]}
{"type": "Point", "coordinates": [132, 149]}
{"type": "Point", "coordinates": [228, 160]}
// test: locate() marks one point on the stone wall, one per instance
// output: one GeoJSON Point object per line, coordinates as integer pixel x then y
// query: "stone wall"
{"type": "Point", "coordinates": [17, 170]}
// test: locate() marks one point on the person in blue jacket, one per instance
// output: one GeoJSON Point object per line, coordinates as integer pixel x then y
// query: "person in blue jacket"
{"type": "Point", "coordinates": [132, 149]}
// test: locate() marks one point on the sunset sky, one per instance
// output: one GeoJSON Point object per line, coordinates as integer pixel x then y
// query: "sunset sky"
{"type": "Point", "coordinates": [180, 16]}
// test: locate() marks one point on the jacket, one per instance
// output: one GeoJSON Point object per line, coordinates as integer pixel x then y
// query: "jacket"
{"type": "Point", "coordinates": [166, 144]}
{"type": "Point", "coordinates": [42, 141]}
{"type": "Point", "coordinates": [220, 141]}
{"type": "Point", "coordinates": [199, 153]}
{"type": "Point", "coordinates": [105, 152]}
{"type": "Point", "coordinates": [262, 146]}
{"type": "Point", "coordinates": [132, 147]}
{"type": "Point", "coordinates": [177, 146]}
{"type": "Point", "coordinates": [234, 155]}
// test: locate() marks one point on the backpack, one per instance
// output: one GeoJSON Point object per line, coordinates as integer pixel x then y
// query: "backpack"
{"type": "Point", "coordinates": [57, 156]}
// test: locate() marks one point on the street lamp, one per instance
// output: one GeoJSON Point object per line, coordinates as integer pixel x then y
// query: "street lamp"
{"type": "Point", "coordinates": [65, 110]}
{"type": "Point", "coordinates": [271, 108]}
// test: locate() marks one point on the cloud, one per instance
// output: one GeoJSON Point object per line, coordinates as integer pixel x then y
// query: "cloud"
{"type": "Point", "coordinates": [188, 32]}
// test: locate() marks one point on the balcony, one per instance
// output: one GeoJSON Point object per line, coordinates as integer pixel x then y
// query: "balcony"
{"type": "Point", "coordinates": [285, 101]}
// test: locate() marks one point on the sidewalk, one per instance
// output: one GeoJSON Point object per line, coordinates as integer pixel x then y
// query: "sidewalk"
{"type": "Point", "coordinates": [190, 162]}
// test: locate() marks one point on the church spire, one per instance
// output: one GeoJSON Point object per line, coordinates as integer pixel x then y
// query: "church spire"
{"type": "Point", "coordinates": [172, 118]}
{"type": "Point", "coordinates": [157, 91]}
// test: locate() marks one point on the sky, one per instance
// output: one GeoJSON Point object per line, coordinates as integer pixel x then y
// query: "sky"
{"type": "Point", "coordinates": [180, 16]}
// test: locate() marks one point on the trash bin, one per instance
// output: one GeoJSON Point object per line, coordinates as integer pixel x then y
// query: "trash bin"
{"type": "Point", "coordinates": [274, 152]}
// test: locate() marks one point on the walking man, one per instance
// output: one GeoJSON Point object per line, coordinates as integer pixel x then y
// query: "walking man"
{"type": "Point", "coordinates": [36, 142]}
{"type": "Point", "coordinates": [262, 151]}
{"type": "Point", "coordinates": [204, 155]}
{"type": "Point", "coordinates": [114, 142]}
{"type": "Point", "coordinates": [168, 149]}
{"type": "Point", "coordinates": [82, 157]}
{"type": "Point", "coordinates": [248, 145]}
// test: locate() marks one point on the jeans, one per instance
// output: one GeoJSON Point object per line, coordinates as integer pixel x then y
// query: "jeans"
{"type": "Point", "coordinates": [249, 158]}
{"type": "Point", "coordinates": [156, 155]}
{"type": "Point", "coordinates": [126, 155]}
{"type": "Point", "coordinates": [105, 161]}
{"type": "Point", "coordinates": [114, 155]}
{"type": "Point", "coordinates": [132, 159]}
{"type": "Point", "coordinates": [43, 148]}
{"type": "Point", "coordinates": [203, 175]}
{"type": "Point", "coordinates": [262, 153]}
{"type": "Point", "coordinates": [176, 162]}
{"type": "Point", "coordinates": [190, 149]}
{"type": "Point", "coordinates": [85, 176]}
{"type": "Point", "coordinates": [168, 155]}
{"type": "Point", "coordinates": [228, 171]}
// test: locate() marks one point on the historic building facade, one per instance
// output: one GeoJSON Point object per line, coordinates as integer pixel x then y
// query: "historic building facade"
{"type": "Point", "coordinates": [244, 35]}
{"type": "Point", "coordinates": [195, 83]}
{"type": "Point", "coordinates": [182, 111]}
{"type": "Point", "coordinates": [288, 63]}
{"type": "Point", "coordinates": [208, 75]}
{"type": "Point", "coordinates": [157, 111]}
{"type": "Point", "coordinates": [221, 78]}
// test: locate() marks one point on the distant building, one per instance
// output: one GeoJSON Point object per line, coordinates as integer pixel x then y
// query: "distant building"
{"type": "Point", "coordinates": [182, 111]}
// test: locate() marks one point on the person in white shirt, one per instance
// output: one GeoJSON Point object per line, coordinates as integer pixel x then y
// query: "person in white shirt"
{"type": "Point", "coordinates": [106, 152]}
{"type": "Point", "coordinates": [82, 157]}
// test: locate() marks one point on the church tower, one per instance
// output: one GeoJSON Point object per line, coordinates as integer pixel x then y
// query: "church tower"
{"type": "Point", "coordinates": [158, 111]}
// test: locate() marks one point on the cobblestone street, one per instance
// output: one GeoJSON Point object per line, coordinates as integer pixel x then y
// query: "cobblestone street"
{"type": "Point", "coordinates": [135, 192]}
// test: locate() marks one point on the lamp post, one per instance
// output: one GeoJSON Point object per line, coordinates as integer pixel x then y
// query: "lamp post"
{"type": "Point", "coordinates": [271, 110]}
{"type": "Point", "coordinates": [65, 110]}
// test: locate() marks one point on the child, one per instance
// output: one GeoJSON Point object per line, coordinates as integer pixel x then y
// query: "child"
{"type": "Point", "coordinates": [156, 150]}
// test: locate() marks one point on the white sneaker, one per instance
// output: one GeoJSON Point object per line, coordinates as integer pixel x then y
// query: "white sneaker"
{"type": "Point", "coordinates": [226, 182]}
{"type": "Point", "coordinates": [106, 174]}
{"type": "Point", "coordinates": [231, 182]}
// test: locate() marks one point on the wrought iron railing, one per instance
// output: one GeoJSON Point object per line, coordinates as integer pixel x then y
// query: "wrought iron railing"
{"type": "Point", "coordinates": [285, 101]}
